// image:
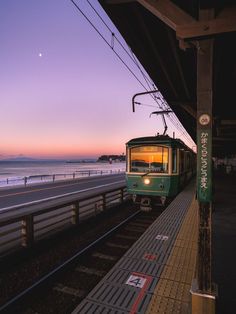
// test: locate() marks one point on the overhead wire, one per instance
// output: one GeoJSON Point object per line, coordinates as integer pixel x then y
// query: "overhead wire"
{"type": "Point", "coordinates": [100, 34]}
{"type": "Point", "coordinates": [131, 56]}
{"type": "Point", "coordinates": [113, 37]}
{"type": "Point", "coordinates": [142, 104]}
{"type": "Point", "coordinates": [112, 45]}
{"type": "Point", "coordinates": [147, 79]}
{"type": "Point", "coordinates": [175, 120]}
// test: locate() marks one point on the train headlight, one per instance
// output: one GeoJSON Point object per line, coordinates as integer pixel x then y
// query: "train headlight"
{"type": "Point", "coordinates": [146, 181]}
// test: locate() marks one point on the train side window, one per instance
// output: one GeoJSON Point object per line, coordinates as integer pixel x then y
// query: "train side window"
{"type": "Point", "coordinates": [174, 160]}
{"type": "Point", "coordinates": [181, 161]}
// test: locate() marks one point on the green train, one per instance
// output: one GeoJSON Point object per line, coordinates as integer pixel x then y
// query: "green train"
{"type": "Point", "coordinates": [157, 168]}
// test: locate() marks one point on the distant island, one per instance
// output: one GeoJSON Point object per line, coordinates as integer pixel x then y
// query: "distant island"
{"type": "Point", "coordinates": [112, 158]}
{"type": "Point", "coordinates": [81, 161]}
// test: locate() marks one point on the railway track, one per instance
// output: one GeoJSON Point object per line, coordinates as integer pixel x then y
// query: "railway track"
{"type": "Point", "coordinates": [62, 288]}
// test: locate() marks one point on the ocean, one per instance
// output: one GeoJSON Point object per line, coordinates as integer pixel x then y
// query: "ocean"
{"type": "Point", "coordinates": [29, 172]}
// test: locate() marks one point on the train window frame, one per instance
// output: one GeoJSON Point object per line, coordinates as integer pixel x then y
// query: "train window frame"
{"type": "Point", "coordinates": [181, 161]}
{"type": "Point", "coordinates": [163, 166]}
{"type": "Point", "coordinates": [174, 154]}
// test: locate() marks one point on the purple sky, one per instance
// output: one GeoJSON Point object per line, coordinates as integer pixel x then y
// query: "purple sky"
{"type": "Point", "coordinates": [63, 91]}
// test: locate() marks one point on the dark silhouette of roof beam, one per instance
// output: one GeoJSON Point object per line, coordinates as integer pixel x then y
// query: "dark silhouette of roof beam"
{"type": "Point", "coordinates": [187, 27]}
{"type": "Point", "coordinates": [228, 122]}
{"type": "Point", "coordinates": [224, 22]}
{"type": "Point", "coordinates": [188, 107]}
{"type": "Point", "coordinates": [155, 51]}
{"type": "Point", "coordinates": [167, 12]}
{"type": "Point", "coordinates": [178, 63]}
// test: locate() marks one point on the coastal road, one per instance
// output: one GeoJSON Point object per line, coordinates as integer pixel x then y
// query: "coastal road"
{"type": "Point", "coordinates": [22, 195]}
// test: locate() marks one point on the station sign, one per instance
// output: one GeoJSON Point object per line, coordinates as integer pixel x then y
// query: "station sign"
{"type": "Point", "coordinates": [204, 162]}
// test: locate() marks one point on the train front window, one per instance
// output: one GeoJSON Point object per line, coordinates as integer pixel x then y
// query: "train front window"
{"type": "Point", "coordinates": [149, 159]}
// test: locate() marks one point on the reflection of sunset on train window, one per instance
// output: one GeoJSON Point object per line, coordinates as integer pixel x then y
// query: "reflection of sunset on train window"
{"type": "Point", "coordinates": [151, 158]}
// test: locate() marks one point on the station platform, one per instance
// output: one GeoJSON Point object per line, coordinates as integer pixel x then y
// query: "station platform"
{"type": "Point", "coordinates": [155, 274]}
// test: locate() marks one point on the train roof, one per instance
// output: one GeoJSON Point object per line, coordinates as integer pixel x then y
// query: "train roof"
{"type": "Point", "coordinates": [158, 139]}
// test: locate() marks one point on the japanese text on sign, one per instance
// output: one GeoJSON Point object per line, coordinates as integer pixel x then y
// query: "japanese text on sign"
{"type": "Point", "coordinates": [204, 161]}
{"type": "Point", "coordinates": [204, 166]}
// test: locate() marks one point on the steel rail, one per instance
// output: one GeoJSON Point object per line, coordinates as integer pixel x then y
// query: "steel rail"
{"type": "Point", "coordinates": [18, 298]}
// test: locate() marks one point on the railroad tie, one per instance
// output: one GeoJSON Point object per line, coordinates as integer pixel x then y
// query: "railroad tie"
{"type": "Point", "coordinates": [135, 229]}
{"type": "Point", "coordinates": [104, 256]}
{"type": "Point", "coordinates": [140, 224]}
{"type": "Point", "coordinates": [118, 246]}
{"type": "Point", "coordinates": [68, 290]}
{"type": "Point", "coordinates": [147, 221]}
{"type": "Point", "coordinates": [127, 237]}
{"type": "Point", "coordinates": [90, 271]}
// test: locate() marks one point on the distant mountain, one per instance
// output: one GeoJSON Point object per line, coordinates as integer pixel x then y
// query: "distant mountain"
{"type": "Point", "coordinates": [30, 159]}
{"type": "Point", "coordinates": [16, 159]}
{"type": "Point", "coordinates": [19, 159]}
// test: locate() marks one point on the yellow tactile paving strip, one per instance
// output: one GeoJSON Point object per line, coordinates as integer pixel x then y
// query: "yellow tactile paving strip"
{"type": "Point", "coordinates": [172, 293]}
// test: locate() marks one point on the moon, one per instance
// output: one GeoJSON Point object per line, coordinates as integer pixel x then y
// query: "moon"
{"type": "Point", "coordinates": [40, 55]}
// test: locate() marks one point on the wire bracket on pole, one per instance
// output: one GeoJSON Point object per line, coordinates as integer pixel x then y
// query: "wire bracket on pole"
{"type": "Point", "coordinates": [162, 113]}
{"type": "Point", "coordinates": [143, 93]}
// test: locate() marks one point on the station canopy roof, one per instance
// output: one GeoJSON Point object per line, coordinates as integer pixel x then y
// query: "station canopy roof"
{"type": "Point", "coordinates": [164, 35]}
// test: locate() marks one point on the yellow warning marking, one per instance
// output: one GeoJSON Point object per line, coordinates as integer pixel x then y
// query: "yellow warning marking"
{"type": "Point", "coordinates": [172, 293]}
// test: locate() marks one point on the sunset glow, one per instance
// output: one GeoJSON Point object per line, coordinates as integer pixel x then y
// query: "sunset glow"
{"type": "Point", "coordinates": [64, 93]}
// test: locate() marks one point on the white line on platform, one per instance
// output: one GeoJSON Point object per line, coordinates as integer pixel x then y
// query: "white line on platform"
{"type": "Point", "coordinates": [4, 209]}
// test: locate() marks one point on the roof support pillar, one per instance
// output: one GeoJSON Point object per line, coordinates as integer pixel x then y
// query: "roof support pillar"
{"type": "Point", "coordinates": [204, 161]}
{"type": "Point", "coordinates": [203, 296]}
